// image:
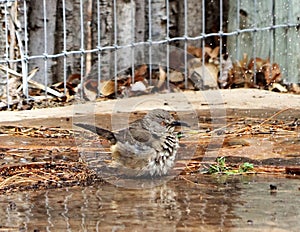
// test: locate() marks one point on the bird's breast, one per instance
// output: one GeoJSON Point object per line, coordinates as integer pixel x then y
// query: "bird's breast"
{"type": "Point", "coordinates": [155, 157]}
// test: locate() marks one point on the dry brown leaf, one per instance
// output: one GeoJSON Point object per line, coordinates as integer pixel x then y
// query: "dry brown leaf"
{"type": "Point", "coordinates": [259, 62]}
{"type": "Point", "coordinates": [140, 73]}
{"type": "Point", "coordinates": [107, 88]}
{"type": "Point", "coordinates": [162, 77]}
{"type": "Point", "coordinates": [195, 51]}
{"type": "Point", "coordinates": [244, 61]}
{"type": "Point", "coordinates": [272, 74]}
{"type": "Point", "coordinates": [198, 52]}
{"type": "Point", "coordinates": [90, 89]}
{"type": "Point", "coordinates": [74, 78]}
{"type": "Point", "coordinates": [214, 53]}
{"type": "Point", "coordinates": [295, 88]}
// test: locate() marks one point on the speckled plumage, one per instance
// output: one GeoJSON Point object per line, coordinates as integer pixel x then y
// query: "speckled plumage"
{"type": "Point", "coordinates": [147, 147]}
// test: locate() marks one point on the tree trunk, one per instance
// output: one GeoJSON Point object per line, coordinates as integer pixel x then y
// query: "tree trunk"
{"type": "Point", "coordinates": [37, 43]}
{"type": "Point", "coordinates": [140, 21]}
{"type": "Point", "coordinates": [73, 38]}
{"type": "Point", "coordinates": [194, 20]}
{"type": "Point", "coordinates": [125, 32]}
{"type": "Point", "coordinates": [2, 51]}
{"type": "Point", "coordinates": [104, 37]}
{"type": "Point", "coordinates": [2, 35]}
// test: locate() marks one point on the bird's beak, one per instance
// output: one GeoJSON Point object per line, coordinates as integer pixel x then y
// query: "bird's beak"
{"type": "Point", "coordinates": [179, 123]}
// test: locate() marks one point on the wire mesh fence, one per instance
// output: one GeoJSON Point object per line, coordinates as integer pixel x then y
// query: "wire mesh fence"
{"type": "Point", "coordinates": [98, 48]}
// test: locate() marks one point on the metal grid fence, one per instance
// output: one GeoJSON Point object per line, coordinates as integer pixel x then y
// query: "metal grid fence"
{"type": "Point", "coordinates": [223, 33]}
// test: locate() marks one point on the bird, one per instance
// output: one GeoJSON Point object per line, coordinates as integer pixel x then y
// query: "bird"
{"type": "Point", "coordinates": [147, 147]}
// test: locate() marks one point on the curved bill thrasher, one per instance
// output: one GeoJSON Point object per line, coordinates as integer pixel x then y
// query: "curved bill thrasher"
{"type": "Point", "coordinates": [147, 147]}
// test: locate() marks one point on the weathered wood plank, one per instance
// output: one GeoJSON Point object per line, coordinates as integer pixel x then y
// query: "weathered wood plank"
{"type": "Point", "coordinates": [281, 45]}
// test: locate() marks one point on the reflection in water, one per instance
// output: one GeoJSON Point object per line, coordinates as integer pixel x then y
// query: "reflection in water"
{"type": "Point", "coordinates": [48, 212]}
{"type": "Point", "coordinates": [179, 205]}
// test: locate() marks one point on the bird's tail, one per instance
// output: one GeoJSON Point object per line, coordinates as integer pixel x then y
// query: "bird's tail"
{"type": "Point", "coordinates": [106, 134]}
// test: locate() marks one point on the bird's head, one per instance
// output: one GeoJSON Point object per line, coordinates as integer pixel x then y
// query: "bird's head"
{"type": "Point", "coordinates": [164, 118]}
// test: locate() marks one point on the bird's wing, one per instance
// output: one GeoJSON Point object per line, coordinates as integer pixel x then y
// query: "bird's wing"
{"type": "Point", "coordinates": [138, 133]}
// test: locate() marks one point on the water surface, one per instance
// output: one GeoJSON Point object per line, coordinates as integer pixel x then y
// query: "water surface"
{"type": "Point", "coordinates": [201, 203]}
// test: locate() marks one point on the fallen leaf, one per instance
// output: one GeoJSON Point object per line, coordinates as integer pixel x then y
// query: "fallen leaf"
{"type": "Point", "coordinates": [205, 76]}
{"type": "Point", "coordinates": [277, 88]}
{"type": "Point", "coordinates": [90, 89]}
{"type": "Point", "coordinates": [107, 87]}
{"type": "Point", "coordinates": [162, 77]}
{"type": "Point", "coordinates": [138, 86]}
{"type": "Point", "coordinates": [140, 73]}
{"type": "Point", "coordinates": [195, 51]}
{"type": "Point", "coordinates": [176, 76]}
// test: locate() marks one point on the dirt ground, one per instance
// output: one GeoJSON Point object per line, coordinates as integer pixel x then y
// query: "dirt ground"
{"type": "Point", "coordinates": [40, 148]}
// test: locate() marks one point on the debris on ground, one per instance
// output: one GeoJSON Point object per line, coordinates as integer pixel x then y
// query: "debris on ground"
{"type": "Point", "coordinates": [48, 157]}
{"type": "Point", "coordinates": [206, 68]}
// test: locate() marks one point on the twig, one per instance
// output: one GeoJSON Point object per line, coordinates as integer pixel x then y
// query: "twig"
{"type": "Point", "coordinates": [274, 115]}
{"type": "Point", "coordinates": [4, 104]}
{"type": "Point", "coordinates": [162, 77]}
{"type": "Point", "coordinates": [189, 181]}
{"type": "Point", "coordinates": [30, 75]}
{"type": "Point", "coordinates": [10, 71]}
{"type": "Point", "coordinates": [43, 87]}
{"type": "Point", "coordinates": [17, 24]}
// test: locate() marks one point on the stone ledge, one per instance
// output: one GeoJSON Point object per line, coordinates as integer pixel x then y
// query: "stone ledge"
{"type": "Point", "coordinates": [200, 101]}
